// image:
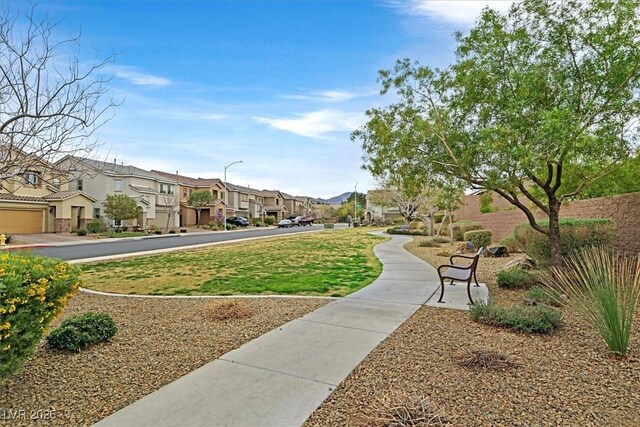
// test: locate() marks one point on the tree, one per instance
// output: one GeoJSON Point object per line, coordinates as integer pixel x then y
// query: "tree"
{"type": "Point", "coordinates": [199, 200]}
{"type": "Point", "coordinates": [51, 102]}
{"type": "Point", "coordinates": [120, 207]}
{"type": "Point", "coordinates": [172, 203]}
{"type": "Point", "coordinates": [549, 87]}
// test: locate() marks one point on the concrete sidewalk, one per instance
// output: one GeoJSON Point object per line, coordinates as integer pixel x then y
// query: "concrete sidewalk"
{"type": "Point", "coordinates": [280, 378]}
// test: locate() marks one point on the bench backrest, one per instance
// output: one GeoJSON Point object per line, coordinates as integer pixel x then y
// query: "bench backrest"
{"type": "Point", "coordinates": [476, 258]}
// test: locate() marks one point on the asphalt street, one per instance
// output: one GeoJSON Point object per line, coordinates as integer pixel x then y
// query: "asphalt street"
{"type": "Point", "coordinates": [140, 244]}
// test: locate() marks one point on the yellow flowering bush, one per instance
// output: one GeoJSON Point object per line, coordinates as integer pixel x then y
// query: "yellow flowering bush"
{"type": "Point", "coordinates": [33, 290]}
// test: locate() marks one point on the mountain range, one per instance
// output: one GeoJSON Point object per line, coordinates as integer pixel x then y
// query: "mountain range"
{"type": "Point", "coordinates": [336, 200]}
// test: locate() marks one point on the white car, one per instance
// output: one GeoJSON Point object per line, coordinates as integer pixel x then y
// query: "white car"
{"type": "Point", "coordinates": [285, 223]}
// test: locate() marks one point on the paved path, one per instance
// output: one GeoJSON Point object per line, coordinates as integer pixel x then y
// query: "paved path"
{"type": "Point", "coordinates": [280, 378]}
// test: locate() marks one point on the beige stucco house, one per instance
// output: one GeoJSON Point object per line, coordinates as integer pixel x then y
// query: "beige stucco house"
{"type": "Point", "coordinates": [274, 204]}
{"type": "Point", "coordinates": [375, 211]}
{"type": "Point", "coordinates": [37, 202]}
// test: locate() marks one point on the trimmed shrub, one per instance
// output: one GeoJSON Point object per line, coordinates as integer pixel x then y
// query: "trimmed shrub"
{"type": "Point", "coordinates": [328, 225]}
{"type": "Point", "coordinates": [438, 217]}
{"type": "Point", "coordinates": [428, 243]}
{"type": "Point", "coordinates": [459, 228]}
{"type": "Point", "coordinates": [511, 244]}
{"type": "Point", "coordinates": [94, 226]}
{"type": "Point", "coordinates": [33, 290]}
{"type": "Point", "coordinates": [406, 231]}
{"type": "Point", "coordinates": [81, 232]}
{"type": "Point", "coordinates": [270, 220]}
{"type": "Point", "coordinates": [516, 278]}
{"type": "Point", "coordinates": [172, 231]}
{"type": "Point", "coordinates": [479, 238]}
{"type": "Point", "coordinates": [575, 234]}
{"type": "Point", "coordinates": [440, 239]}
{"type": "Point", "coordinates": [157, 232]}
{"type": "Point", "coordinates": [79, 332]}
{"type": "Point", "coordinates": [529, 320]}
{"type": "Point", "coordinates": [544, 296]}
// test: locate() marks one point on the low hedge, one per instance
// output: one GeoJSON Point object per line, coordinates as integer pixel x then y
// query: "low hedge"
{"type": "Point", "coordinates": [82, 331]}
{"type": "Point", "coordinates": [459, 228]}
{"type": "Point", "coordinates": [33, 290]}
{"type": "Point", "coordinates": [575, 234]}
{"type": "Point", "coordinates": [407, 232]}
{"type": "Point", "coordinates": [479, 238]}
{"type": "Point", "coordinates": [523, 319]}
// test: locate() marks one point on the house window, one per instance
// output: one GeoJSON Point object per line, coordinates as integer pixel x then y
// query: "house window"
{"type": "Point", "coordinates": [56, 183]}
{"type": "Point", "coordinates": [117, 222]}
{"type": "Point", "coordinates": [79, 184]}
{"type": "Point", "coordinates": [96, 213]}
{"type": "Point", "coordinates": [215, 194]}
{"type": "Point", "coordinates": [184, 193]}
{"type": "Point", "coordinates": [117, 185]}
{"type": "Point", "coordinates": [277, 201]}
{"type": "Point", "coordinates": [166, 189]}
{"type": "Point", "coordinates": [244, 197]}
{"type": "Point", "coordinates": [31, 178]}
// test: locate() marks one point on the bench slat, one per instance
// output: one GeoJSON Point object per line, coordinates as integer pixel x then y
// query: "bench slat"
{"type": "Point", "coordinates": [456, 274]}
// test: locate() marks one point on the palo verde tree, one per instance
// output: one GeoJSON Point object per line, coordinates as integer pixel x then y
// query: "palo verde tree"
{"type": "Point", "coordinates": [120, 207]}
{"type": "Point", "coordinates": [550, 86]}
{"type": "Point", "coordinates": [199, 200]}
{"type": "Point", "coordinates": [51, 101]}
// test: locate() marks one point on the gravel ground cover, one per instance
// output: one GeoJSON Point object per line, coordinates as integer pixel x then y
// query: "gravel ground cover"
{"type": "Point", "coordinates": [158, 341]}
{"type": "Point", "coordinates": [563, 379]}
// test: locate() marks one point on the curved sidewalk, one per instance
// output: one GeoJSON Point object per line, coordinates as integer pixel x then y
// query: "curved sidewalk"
{"type": "Point", "coordinates": [281, 377]}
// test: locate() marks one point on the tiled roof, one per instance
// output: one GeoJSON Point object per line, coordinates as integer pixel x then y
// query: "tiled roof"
{"type": "Point", "coordinates": [187, 180]}
{"type": "Point", "coordinates": [143, 189]}
{"type": "Point", "coordinates": [62, 195]}
{"type": "Point", "coordinates": [241, 189]}
{"type": "Point", "coordinates": [116, 169]}
{"type": "Point", "coordinates": [276, 208]}
{"type": "Point", "coordinates": [15, 197]}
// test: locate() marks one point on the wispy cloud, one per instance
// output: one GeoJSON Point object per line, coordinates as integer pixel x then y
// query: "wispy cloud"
{"type": "Point", "coordinates": [326, 96]}
{"type": "Point", "coordinates": [138, 78]}
{"type": "Point", "coordinates": [315, 124]}
{"type": "Point", "coordinates": [456, 11]}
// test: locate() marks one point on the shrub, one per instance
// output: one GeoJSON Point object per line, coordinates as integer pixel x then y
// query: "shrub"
{"type": "Point", "coordinates": [438, 217]}
{"type": "Point", "coordinates": [459, 228]}
{"type": "Point", "coordinates": [439, 239]}
{"type": "Point", "coordinates": [515, 278]}
{"type": "Point", "coordinates": [398, 221]}
{"type": "Point", "coordinates": [231, 227]}
{"type": "Point", "coordinates": [79, 332]}
{"type": "Point", "coordinates": [544, 296]}
{"type": "Point", "coordinates": [485, 359]}
{"type": "Point", "coordinates": [428, 243]}
{"type": "Point", "coordinates": [33, 290]}
{"type": "Point", "coordinates": [575, 234]}
{"type": "Point", "coordinates": [537, 319]}
{"type": "Point", "coordinates": [479, 238]}
{"type": "Point", "coordinates": [157, 232]}
{"type": "Point", "coordinates": [94, 226]}
{"type": "Point", "coordinates": [81, 232]}
{"type": "Point", "coordinates": [402, 409]}
{"type": "Point", "coordinates": [227, 310]}
{"type": "Point", "coordinates": [8, 238]}
{"type": "Point", "coordinates": [602, 286]}
{"type": "Point", "coordinates": [414, 225]}
{"type": "Point", "coordinates": [511, 244]}
{"type": "Point", "coordinates": [172, 231]}
{"type": "Point", "coordinates": [270, 220]}
{"type": "Point", "coordinates": [328, 225]}
{"type": "Point", "coordinates": [183, 230]}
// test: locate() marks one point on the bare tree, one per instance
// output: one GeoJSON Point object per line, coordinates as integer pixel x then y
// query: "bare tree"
{"type": "Point", "coordinates": [172, 204]}
{"type": "Point", "coordinates": [51, 102]}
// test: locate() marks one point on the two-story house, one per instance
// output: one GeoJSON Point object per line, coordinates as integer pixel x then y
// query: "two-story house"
{"type": "Point", "coordinates": [274, 204]}
{"type": "Point", "coordinates": [187, 185]}
{"type": "Point", "coordinates": [155, 195]}
{"type": "Point", "coordinates": [376, 209]}
{"type": "Point", "coordinates": [40, 201]}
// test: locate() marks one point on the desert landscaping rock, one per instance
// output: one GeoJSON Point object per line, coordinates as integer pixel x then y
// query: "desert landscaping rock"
{"type": "Point", "coordinates": [158, 341]}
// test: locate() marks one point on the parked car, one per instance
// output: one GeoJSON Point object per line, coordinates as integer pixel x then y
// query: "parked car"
{"type": "Point", "coordinates": [238, 221]}
{"type": "Point", "coordinates": [306, 220]}
{"type": "Point", "coordinates": [285, 223]}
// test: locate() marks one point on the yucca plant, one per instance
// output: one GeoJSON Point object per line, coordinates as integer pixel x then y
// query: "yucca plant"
{"type": "Point", "coordinates": [604, 288]}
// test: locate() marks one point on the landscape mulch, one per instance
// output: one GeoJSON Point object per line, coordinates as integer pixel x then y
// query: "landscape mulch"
{"type": "Point", "coordinates": [567, 378]}
{"type": "Point", "coordinates": [158, 341]}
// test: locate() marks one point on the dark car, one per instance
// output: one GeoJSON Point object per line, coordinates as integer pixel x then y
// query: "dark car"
{"type": "Point", "coordinates": [238, 221]}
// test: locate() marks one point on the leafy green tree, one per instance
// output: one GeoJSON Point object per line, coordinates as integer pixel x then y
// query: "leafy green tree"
{"type": "Point", "coordinates": [549, 87]}
{"type": "Point", "coordinates": [120, 207]}
{"type": "Point", "coordinates": [199, 200]}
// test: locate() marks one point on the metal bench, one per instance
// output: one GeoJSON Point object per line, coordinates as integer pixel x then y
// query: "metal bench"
{"type": "Point", "coordinates": [459, 273]}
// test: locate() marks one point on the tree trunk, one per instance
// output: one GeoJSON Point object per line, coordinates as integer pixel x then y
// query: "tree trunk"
{"type": "Point", "coordinates": [197, 218]}
{"type": "Point", "coordinates": [554, 232]}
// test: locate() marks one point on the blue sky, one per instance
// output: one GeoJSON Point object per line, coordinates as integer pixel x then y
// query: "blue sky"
{"type": "Point", "coordinates": [279, 85]}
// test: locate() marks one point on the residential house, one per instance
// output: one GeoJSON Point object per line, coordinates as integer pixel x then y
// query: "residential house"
{"type": "Point", "coordinates": [295, 205]}
{"type": "Point", "coordinates": [376, 211]}
{"type": "Point", "coordinates": [246, 201]}
{"type": "Point", "coordinates": [40, 202]}
{"type": "Point", "coordinates": [154, 194]}
{"type": "Point", "coordinates": [274, 204]}
{"type": "Point", "coordinates": [187, 185]}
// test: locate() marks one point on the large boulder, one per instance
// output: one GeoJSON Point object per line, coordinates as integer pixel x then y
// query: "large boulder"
{"type": "Point", "coordinates": [522, 261]}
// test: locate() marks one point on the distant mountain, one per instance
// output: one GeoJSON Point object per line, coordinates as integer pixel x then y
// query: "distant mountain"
{"type": "Point", "coordinates": [334, 200]}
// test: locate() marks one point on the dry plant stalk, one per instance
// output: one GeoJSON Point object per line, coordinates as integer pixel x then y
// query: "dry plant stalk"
{"type": "Point", "coordinates": [399, 408]}
{"type": "Point", "coordinates": [227, 310]}
{"type": "Point", "coordinates": [603, 286]}
{"type": "Point", "coordinates": [485, 359]}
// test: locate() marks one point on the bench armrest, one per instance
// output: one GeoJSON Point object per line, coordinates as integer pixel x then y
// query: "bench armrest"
{"type": "Point", "coordinates": [460, 256]}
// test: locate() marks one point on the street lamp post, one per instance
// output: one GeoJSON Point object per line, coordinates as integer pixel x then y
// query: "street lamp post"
{"type": "Point", "coordinates": [226, 192]}
{"type": "Point", "coordinates": [355, 203]}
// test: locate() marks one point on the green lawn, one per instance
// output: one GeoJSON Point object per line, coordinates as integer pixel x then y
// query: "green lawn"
{"type": "Point", "coordinates": [334, 263]}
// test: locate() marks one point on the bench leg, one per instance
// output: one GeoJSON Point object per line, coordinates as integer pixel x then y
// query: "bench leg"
{"type": "Point", "coordinates": [469, 291]}
{"type": "Point", "coordinates": [475, 279]}
{"type": "Point", "coordinates": [441, 289]}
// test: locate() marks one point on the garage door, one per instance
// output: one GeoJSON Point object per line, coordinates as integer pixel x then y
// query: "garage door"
{"type": "Point", "coordinates": [21, 221]}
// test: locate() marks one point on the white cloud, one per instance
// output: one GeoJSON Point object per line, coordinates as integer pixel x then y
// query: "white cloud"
{"type": "Point", "coordinates": [316, 124]}
{"type": "Point", "coordinates": [456, 11]}
{"type": "Point", "coordinates": [138, 78]}
{"type": "Point", "coordinates": [327, 96]}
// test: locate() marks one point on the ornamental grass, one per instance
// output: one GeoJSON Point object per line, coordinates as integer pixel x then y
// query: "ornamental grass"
{"type": "Point", "coordinates": [603, 286]}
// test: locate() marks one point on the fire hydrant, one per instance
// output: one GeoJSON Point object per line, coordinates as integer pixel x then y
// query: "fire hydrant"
{"type": "Point", "coordinates": [3, 239]}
